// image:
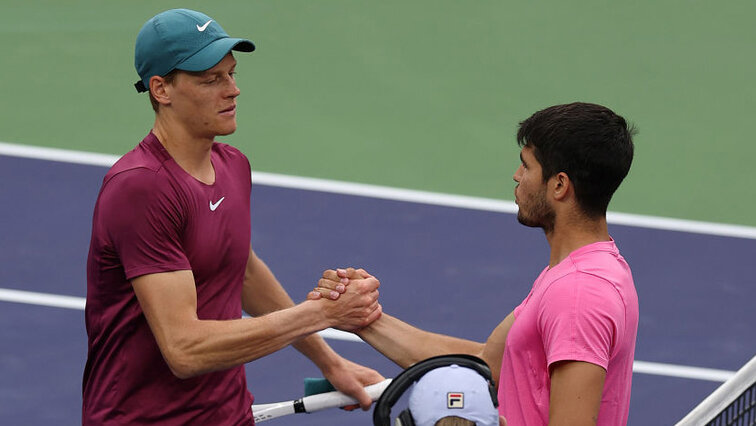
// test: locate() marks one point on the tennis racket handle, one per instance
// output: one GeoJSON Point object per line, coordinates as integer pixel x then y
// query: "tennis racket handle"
{"type": "Point", "coordinates": [337, 399]}
{"type": "Point", "coordinates": [265, 412]}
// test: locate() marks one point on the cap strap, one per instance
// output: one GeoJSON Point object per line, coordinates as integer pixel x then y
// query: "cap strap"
{"type": "Point", "coordinates": [140, 86]}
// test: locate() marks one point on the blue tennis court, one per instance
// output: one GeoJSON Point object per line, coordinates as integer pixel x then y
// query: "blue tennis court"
{"type": "Point", "coordinates": [452, 270]}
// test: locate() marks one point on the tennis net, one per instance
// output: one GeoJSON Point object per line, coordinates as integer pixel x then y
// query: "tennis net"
{"type": "Point", "coordinates": [732, 404]}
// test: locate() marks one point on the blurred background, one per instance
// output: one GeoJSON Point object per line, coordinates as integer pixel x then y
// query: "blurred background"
{"type": "Point", "coordinates": [421, 94]}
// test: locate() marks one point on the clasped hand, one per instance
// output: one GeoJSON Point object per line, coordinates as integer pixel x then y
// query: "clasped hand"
{"type": "Point", "coordinates": [350, 297]}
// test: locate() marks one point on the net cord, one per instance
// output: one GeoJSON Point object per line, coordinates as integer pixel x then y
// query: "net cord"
{"type": "Point", "coordinates": [715, 403]}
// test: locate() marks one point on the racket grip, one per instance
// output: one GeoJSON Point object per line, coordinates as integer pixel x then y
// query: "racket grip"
{"type": "Point", "coordinates": [314, 386]}
{"type": "Point", "coordinates": [337, 399]}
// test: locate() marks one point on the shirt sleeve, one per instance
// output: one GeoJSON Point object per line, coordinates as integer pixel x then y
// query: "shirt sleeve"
{"type": "Point", "coordinates": [579, 318]}
{"type": "Point", "coordinates": [144, 222]}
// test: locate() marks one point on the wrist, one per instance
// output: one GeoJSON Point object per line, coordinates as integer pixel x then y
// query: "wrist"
{"type": "Point", "coordinates": [313, 346]}
{"type": "Point", "coordinates": [313, 309]}
{"type": "Point", "coordinates": [331, 363]}
{"type": "Point", "coordinates": [369, 329]}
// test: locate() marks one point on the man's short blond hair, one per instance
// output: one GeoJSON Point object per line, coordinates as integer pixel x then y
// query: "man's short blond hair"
{"type": "Point", "coordinates": [454, 421]}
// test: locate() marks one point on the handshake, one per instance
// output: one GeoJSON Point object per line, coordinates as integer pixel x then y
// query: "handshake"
{"type": "Point", "coordinates": [348, 298]}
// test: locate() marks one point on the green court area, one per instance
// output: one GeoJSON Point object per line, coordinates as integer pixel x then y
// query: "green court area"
{"type": "Point", "coordinates": [419, 94]}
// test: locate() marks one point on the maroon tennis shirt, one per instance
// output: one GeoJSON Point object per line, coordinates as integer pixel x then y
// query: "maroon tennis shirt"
{"type": "Point", "coordinates": [151, 217]}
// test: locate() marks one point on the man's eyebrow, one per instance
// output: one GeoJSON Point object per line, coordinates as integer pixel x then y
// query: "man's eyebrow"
{"type": "Point", "coordinates": [522, 160]}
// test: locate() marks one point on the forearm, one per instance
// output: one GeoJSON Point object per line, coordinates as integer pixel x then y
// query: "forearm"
{"type": "Point", "coordinates": [206, 346]}
{"type": "Point", "coordinates": [312, 346]}
{"type": "Point", "coordinates": [318, 351]}
{"type": "Point", "coordinates": [405, 344]}
{"type": "Point", "coordinates": [192, 346]}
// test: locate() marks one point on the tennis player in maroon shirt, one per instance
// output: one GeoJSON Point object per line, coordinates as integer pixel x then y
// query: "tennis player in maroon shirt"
{"type": "Point", "coordinates": [170, 265]}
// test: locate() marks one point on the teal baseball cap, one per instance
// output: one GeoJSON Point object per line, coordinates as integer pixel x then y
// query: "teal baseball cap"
{"type": "Point", "coordinates": [181, 39]}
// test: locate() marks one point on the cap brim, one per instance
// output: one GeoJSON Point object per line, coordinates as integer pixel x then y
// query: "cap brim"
{"type": "Point", "coordinates": [213, 53]}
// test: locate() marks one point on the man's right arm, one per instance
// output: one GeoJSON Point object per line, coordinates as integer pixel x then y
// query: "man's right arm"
{"type": "Point", "coordinates": [405, 344]}
{"type": "Point", "coordinates": [192, 346]}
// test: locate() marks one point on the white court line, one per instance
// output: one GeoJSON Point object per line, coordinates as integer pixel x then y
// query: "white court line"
{"type": "Point", "coordinates": [397, 194]}
{"type": "Point", "coordinates": [644, 367]}
{"type": "Point", "coordinates": [42, 299]}
{"type": "Point", "coordinates": [683, 371]}
{"type": "Point", "coordinates": [54, 154]}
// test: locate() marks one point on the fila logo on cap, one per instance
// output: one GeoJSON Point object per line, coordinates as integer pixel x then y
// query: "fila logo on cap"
{"type": "Point", "coordinates": [455, 400]}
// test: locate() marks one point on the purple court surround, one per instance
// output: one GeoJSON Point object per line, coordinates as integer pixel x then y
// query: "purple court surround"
{"type": "Point", "coordinates": [450, 270]}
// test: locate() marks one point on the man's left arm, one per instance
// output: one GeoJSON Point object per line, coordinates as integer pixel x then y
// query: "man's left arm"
{"type": "Point", "coordinates": [262, 293]}
{"type": "Point", "coordinates": [576, 389]}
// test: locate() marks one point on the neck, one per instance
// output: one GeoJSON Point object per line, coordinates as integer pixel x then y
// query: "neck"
{"type": "Point", "coordinates": [190, 152]}
{"type": "Point", "coordinates": [569, 234]}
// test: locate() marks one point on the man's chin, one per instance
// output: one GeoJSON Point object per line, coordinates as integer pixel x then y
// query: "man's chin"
{"type": "Point", "coordinates": [227, 131]}
{"type": "Point", "coordinates": [546, 224]}
{"type": "Point", "coordinates": [525, 221]}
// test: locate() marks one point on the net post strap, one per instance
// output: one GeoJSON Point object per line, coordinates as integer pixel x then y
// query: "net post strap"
{"type": "Point", "coordinates": [715, 403]}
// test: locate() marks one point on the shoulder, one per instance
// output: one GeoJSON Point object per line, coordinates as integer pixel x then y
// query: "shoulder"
{"type": "Point", "coordinates": [142, 162]}
{"type": "Point", "coordinates": [603, 270]}
{"type": "Point", "coordinates": [147, 154]}
{"type": "Point", "coordinates": [583, 300]}
{"type": "Point", "coordinates": [139, 188]}
{"type": "Point", "coordinates": [232, 162]}
{"type": "Point", "coordinates": [229, 152]}
{"type": "Point", "coordinates": [602, 259]}
{"type": "Point", "coordinates": [593, 272]}
{"type": "Point", "coordinates": [581, 284]}
{"type": "Point", "coordinates": [231, 159]}
{"type": "Point", "coordinates": [136, 198]}
{"type": "Point", "coordinates": [135, 180]}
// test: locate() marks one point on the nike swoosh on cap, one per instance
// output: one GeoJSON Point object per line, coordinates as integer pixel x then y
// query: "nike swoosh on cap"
{"type": "Point", "coordinates": [202, 28]}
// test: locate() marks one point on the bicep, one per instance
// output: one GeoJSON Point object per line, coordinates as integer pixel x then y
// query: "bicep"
{"type": "Point", "coordinates": [169, 302]}
{"type": "Point", "coordinates": [493, 350]}
{"type": "Point", "coordinates": [576, 389]}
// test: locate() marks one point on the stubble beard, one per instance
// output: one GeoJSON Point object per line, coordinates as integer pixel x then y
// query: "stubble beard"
{"type": "Point", "coordinates": [539, 214]}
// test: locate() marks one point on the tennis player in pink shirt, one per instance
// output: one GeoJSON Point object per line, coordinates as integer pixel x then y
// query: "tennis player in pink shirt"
{"type": "Point", "coordinates": [564, 356]}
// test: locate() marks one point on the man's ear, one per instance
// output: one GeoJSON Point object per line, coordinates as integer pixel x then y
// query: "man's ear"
{"type": "Point", "coordinates": [561, 185]}
{"type": "Point", "coordinates": [160, 90]}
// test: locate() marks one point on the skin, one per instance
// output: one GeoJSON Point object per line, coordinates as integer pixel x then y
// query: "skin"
{"type": "Point", "coordinates": [576, 387]}
{"type": "Point", "coordinates": [530, 195]}
{"type": "Point", "coordinates": [193, 110]}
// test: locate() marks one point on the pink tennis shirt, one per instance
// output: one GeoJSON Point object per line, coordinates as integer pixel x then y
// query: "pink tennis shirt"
{"type": "Point", "coordinates": [583, 309]}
